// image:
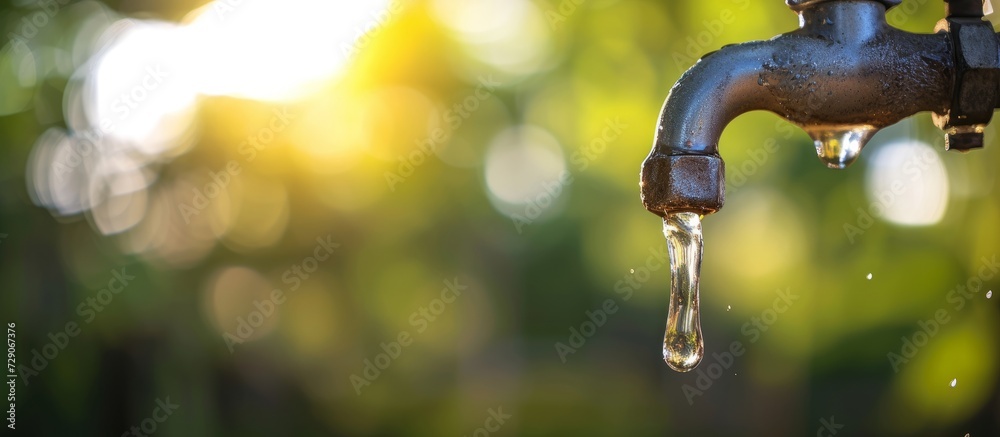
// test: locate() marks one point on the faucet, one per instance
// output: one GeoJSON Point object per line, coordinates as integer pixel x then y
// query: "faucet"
{"type": "Point", "coordinates": [841, 76]}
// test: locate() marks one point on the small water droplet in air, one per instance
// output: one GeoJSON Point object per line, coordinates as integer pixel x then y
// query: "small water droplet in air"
{"type": "Point", "coordinates": [989, 294]}
{"type": "Point", "coordinates": [954, 382]}
{"type": "Point", "coordinates": [631, 271]}
{"type": "Point", "coordinates": [683, 347]}
{"type": "Point", "coordinates": [839, 146]}
{"type": "Point", "coordinates": [760, 80]}
{"type": "Point", "coordinates": [869, 276]}
{"type": "Point", "coordinates": [729, 307]}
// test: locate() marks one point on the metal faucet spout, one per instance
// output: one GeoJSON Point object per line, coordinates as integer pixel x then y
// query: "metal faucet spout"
{"type": "Point", "coordinates": [842, 75]}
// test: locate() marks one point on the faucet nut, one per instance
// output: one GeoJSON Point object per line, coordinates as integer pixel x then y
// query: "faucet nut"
{"type": "Point", "coordinates": [964, 8]}
{"type": "Point", "coordinates": [964, 139]}
{"type": "Point", "coordinates": [977, 71]}
{"type": "Point", "coordinates": [689, 183]}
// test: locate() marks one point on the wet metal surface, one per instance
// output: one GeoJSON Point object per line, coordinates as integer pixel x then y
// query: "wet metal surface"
{"type": "Point", "coordinates": [844, 68]}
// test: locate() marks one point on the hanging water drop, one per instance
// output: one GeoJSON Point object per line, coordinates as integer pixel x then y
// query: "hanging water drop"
{"type": "Point", "coordinates": [869, 276]}
{"type": "Point", "coordinates": [989, 294]}
{"type": "Point", "coordinates": [839, 146]}
{"type": "Point", "coordinates": [954, 382]}
{"type": "Point", "coordinates": [683, 346]}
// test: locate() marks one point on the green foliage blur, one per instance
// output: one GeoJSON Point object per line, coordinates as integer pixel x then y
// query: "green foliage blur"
{"type": "Point", "coordinates": [472, 253]}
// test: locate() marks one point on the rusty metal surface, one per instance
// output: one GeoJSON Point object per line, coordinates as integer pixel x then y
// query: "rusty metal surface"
{"type": "Point", "coordinates": [844, 66]}
{"type": "Point", "coordinates": [689, 183]}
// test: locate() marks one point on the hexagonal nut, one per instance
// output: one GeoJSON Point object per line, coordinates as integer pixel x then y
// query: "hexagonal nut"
{"type": "Point", "coordinates": [964, 8]}
{"type": "Point", "coordinates": [977, 70]}
{"type": "Point", "coordinates": [683, 183]}
{"type": "Point", "coordinates": [978, 43]}
{"type": "Point", "coordinates": [964, 140]}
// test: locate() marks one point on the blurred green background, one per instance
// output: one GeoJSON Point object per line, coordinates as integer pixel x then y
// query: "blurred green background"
{"type": "Point", "coordinates": [205, 148]}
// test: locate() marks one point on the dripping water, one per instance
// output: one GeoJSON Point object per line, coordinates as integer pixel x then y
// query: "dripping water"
{"type": "Point", "coordinates": [683, 346]}
{"type": "Point", "coordinates": [839, 146]}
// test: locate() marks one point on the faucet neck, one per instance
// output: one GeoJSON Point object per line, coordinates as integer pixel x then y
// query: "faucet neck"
{"type": "Point", "coordinates": [843, 20]}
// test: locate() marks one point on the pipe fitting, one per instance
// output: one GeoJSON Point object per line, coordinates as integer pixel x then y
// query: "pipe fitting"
{"type": "Point", "coordinates": [842, 76]}
{"type": "Point", "coordinates": [683, 183]}
{"type": "Point", "coordinates": [976, 78]}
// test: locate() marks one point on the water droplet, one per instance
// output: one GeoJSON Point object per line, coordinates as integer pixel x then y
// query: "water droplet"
{"type": "Point", "coordinates": [729, 307]}
{"type": "Point", "coordinates": [839, 146]}
{"type": "Point", "coordinates": [989, 294]}
{"type": "Point", "coordinates": [631, 271]}
{"type": "Point", "coordinates": [760, 80]}
{"type": "Point", "coordinates": [954, 382]}
{"type": "Point", "coordinates": [869, 276]}
{"type": "Point", "coordinates": [683, 346]}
